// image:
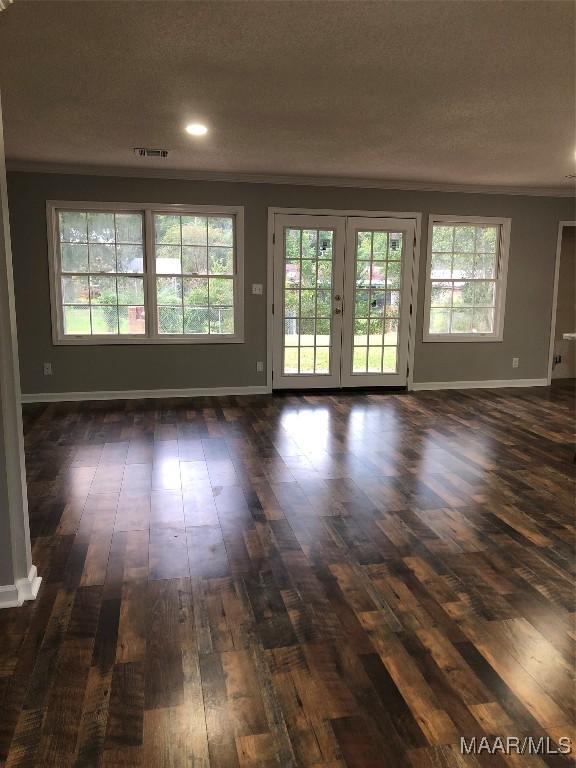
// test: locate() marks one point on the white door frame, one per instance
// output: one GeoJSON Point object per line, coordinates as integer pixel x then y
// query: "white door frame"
{"type": "Point", "coordinates": [561, 226]}
{"type": "Point", "coordinates": [417, 218]}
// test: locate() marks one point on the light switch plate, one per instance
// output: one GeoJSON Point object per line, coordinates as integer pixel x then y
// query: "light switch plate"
{"type": "Point", "coordinates": [257, 289]}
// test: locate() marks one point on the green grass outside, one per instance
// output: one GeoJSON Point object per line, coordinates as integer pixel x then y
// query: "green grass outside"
{"type": "Point", "coordinates": [77, 323]}
{"type": "Point", "coordinates": [365, 359]}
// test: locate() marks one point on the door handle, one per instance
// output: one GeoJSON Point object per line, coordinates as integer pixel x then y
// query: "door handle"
{"type": "Point", "coordinates": [337, 297]}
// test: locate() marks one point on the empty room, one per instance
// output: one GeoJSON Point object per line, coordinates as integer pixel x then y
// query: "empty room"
{"type": "Point", "coordinates": [287, 383]}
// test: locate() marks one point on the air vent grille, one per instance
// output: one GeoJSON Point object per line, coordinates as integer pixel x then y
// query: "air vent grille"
{"type": "Point", "coordinates": [148, 152]}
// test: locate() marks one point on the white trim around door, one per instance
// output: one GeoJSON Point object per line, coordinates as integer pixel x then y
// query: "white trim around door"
{"type": "Point", "coordinates": [561, 226]}
{"type": "Point", "coordinates": [408, 222]}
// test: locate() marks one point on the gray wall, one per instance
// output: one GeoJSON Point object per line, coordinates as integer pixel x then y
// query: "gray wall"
{"type": "Point", "coordinates": [528, 301]}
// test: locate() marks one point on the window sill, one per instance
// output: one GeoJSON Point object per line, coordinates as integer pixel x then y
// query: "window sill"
{"type": "Point", "coordinates": [103, 341]}
{"type": "Point", "coordinates": [453, 338]}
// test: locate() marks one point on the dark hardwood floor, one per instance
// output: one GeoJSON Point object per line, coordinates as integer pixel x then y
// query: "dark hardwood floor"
{"type": "Point", "coordinates": [325, 581]}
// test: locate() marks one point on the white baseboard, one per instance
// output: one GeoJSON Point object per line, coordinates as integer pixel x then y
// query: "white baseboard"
{"type": "Point", "coordinates": [144, 394]}
{"type": "Point", "coordinates": [140, 394]}
{"type": "Point", "coordinates": [13, 595]}
{"type": "Point", "coordinates": [9, 596]}
{"type": "Point", "coordinates": [486, 384]}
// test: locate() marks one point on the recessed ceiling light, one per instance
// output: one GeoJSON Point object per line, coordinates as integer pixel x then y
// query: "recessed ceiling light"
{"type": "Point", "coordinates": [196, 129]}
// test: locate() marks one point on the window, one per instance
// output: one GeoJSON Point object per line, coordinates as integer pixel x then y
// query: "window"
{"type": "Point", "coordinates": [101, 273]}
{"type": "Point", "coordinates": [145, 274]}
{"type": "Point", "coordinates": [466, 278]}
{"type": "Point", "coordinates": [194, 273]}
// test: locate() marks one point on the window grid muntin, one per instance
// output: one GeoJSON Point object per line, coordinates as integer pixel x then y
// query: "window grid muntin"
{"type": "Point", "coordinates": [300, 318]}
{"type": "Point", "coordinates": [386, 315]}
{"type": "Point", "coordinates": [61, 275]}
{"type": "Point", "coordinates": [495, 280]}
{"type": "Point", "coordinates": [231, 276]}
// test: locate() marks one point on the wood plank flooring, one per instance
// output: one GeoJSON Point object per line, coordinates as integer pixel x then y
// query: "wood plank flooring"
{"type": "Point", "coordinates": [321, 581]}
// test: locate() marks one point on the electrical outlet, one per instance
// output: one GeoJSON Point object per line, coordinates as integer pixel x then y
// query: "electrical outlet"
{"type": "Point", "coordinates": [515, 362]}
{"type": "Point", "coordinates": [557, 359]}
{"type": "Point", "coordinates": [47, 368]}
{"type": "Point", "coordinates": [260, 366]}
{"type": "Point", "coordinates": [257, 289]}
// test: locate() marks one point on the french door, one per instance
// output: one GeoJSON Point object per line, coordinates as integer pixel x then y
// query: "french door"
{"type": "Point", "coordinates": [341, 300]}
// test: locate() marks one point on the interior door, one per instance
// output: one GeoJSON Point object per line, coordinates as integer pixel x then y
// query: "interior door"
{"type": "Point", "coordinates": [308, 300]}
{"type": "Point", "coordinates": [377, 280]}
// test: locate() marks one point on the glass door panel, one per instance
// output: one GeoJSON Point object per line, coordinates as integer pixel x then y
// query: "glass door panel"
{"type": "Point", "coordinates": [308, 300]}
{"type": "Point", "coordinates": [376, 311]}
{"type": "Point", "coordinates": [377, 300]}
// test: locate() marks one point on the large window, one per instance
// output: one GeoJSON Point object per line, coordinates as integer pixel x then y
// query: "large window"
{"type": "Point", "coordinates": [145, 274]}
{"type": "Point", "coordinates": [466, 278]}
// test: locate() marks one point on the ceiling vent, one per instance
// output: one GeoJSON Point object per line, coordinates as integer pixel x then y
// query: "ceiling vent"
{"type": "Point", "coordinates": [147, 152]}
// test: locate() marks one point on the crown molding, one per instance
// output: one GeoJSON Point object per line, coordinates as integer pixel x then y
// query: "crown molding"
{"type": "Point", "coordinates": [25, 166]}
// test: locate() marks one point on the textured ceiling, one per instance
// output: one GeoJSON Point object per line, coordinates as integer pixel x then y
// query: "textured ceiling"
{"type": "Point", "coordinates": [462, 92]}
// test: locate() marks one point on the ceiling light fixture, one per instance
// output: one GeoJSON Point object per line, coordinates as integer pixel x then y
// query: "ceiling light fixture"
{"type": "Point", "coordinates": [196, 129]}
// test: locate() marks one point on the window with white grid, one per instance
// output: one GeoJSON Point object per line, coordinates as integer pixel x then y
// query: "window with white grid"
{"type": "Point", "coordinates": [466, 279]}
{"type": "Point", "coordinates": [194, 261]}
{"type": "Point", "coordinates": [145, 274]}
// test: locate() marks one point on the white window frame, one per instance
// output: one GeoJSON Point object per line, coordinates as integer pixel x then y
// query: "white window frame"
{"type": "Point", "coordinates": [148, 210]}
{"type": "Point", "coordinates": [501, 278]}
